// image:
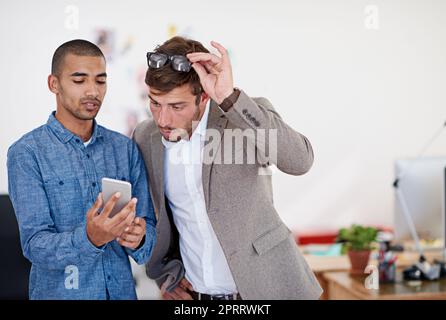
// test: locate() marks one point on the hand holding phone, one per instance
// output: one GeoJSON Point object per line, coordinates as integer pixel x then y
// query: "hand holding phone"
{"type": "Point", "coordinates": [112, 186]}
{"type": "Point", "coordinates": [101, 227]}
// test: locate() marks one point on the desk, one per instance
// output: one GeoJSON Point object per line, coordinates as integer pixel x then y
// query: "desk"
{"type": "Point", "coordinates": [343, 286]}
{"type": "Point", "coordinates": [329, 266]}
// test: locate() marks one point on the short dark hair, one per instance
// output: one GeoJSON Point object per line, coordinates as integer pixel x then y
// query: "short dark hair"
{"type": "Point", "coordinates": [165, 78]}
{"type": "Point", "coordinates": [77, 47]}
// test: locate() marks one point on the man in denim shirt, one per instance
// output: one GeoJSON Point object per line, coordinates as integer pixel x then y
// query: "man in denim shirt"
{"type": "Point", "coordinates": [77, 251]}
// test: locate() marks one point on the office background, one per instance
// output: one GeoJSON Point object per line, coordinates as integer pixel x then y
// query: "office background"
{"type": "Point", "coordinates": [363, 80]}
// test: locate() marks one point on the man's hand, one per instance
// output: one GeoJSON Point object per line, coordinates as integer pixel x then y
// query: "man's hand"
{"type": "Point", "coordinates": [100, 228]}
{"type": "Point", "coordinates": [132, 236]}
{"type": "Point", "coordinates": [179, 293]}
{"type": "Point", "coordinates": [215, 72]}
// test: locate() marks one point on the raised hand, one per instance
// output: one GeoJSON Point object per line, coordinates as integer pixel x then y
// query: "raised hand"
{"type": "Point", "coordinates": [215, 72]}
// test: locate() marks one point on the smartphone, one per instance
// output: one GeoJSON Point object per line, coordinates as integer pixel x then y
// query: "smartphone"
{"type": "Point", "coordinates": [110, 187]}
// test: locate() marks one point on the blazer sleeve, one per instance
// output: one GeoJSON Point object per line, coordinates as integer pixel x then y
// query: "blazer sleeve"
{"type": "Point", "coordinates": [282, 146]}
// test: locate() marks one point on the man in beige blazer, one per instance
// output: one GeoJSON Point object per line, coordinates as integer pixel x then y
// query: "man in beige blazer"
{"type": "Point", "coordinates": [218, 234]}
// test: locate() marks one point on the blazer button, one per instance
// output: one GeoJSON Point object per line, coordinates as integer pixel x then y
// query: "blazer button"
{"type": "Point", "coordinates": [245, 111]}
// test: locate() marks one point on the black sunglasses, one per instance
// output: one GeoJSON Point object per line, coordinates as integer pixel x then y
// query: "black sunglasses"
{"type": "Point", "coordinates": [179, 63]}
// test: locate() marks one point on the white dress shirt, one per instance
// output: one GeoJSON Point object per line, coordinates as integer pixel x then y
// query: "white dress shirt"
{"type": "Point", "coordinates": [203, 258]}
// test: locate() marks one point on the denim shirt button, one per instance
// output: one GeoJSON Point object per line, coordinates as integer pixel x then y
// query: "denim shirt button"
{"type": "Point", "coordinates": [61, 183]}
{"type": "Point", "coordinates": [94, 184]}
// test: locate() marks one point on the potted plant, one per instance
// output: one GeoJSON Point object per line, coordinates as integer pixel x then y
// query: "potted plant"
{"type": "Point", "coordinates": [358, 242]}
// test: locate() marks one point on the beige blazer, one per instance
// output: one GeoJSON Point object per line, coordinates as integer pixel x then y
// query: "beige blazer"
{"type": "Point", "coordinates": [260, 249]}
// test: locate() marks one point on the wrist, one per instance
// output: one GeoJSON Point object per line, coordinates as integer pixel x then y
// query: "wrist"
{"type": "Point", "coordinates": [229, 101]}
{"type": "Point", "coordinates": [225, 96]}
{"type": "Point", "coordinates": [96, 242]}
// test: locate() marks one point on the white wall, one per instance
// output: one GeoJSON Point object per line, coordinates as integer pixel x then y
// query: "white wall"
{"type": "Point", "coordinates": [363, 96]}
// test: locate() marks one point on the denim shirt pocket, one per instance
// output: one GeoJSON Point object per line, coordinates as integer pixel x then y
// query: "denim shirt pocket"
{"type": "Point", "coordinates": [66, 203]}
{"type": "Point", "coordinates": [122, 177]}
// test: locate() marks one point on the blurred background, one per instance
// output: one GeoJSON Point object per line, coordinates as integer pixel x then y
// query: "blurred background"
{"type": "Point", "coordinates": [363, 80]}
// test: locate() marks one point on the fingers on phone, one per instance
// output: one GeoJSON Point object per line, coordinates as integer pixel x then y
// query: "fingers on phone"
{"type": "Point", "coordinates": [94, 210]}
{"type": "Point", "coordinates": [125, 212]}
{"type": "Point", "coordinates": [110, 204]}
{"type": "Point", "coordinates": [122, 220]}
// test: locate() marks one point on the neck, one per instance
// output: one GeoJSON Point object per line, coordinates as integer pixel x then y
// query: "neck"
{"type": "Point", "coordinates": [197, 120]}
{"type": "Point", "coordinates": [81, 128]}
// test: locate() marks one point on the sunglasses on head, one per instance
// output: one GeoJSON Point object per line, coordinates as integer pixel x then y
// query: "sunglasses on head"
{"type": "Point", "coordinates": [179, 63]}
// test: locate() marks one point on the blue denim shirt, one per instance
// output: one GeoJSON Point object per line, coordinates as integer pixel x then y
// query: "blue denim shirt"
{"type": "Point", "coordinates": [53, 181]}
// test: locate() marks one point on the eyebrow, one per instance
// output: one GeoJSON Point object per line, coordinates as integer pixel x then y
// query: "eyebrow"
{"type": "Point", "coordinates": [176, 103]}
{"type": "Point", "coordinates": [83, 74]}
{"type": "Point", "coordinates": [169, 104]}
{"type": "Point", "coordinates": [150, 97]}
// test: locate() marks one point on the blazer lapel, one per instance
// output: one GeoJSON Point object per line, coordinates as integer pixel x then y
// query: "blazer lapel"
{"type": "Point", "coordinates": [216, 121]}
{"type": "Point", "coordinates": [158, 165]}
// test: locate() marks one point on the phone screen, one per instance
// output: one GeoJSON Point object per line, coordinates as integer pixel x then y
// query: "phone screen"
{"type": "Point", "coordinates": [110, 187]}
